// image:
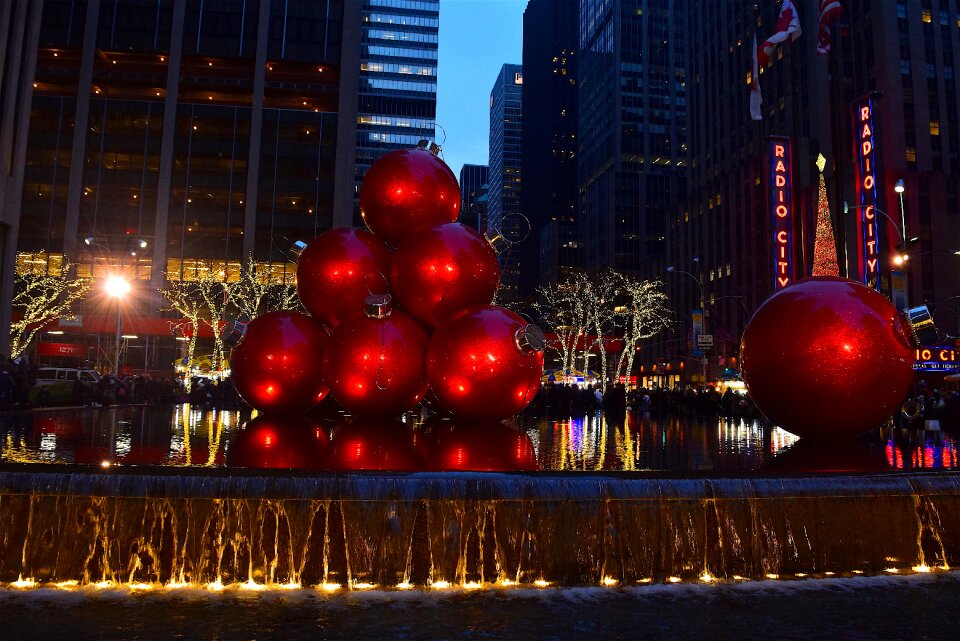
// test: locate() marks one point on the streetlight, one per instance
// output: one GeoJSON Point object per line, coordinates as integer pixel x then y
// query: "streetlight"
{"type": "Point", "coordinates": [117, 287]}
{"type": "Point", "coordinates": [703, 309]}
{"type": "Point", "coordinates": [900, 188]}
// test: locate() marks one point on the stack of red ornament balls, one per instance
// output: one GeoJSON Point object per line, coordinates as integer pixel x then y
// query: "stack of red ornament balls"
{"type": "Point", "coordinates": [396, 311]}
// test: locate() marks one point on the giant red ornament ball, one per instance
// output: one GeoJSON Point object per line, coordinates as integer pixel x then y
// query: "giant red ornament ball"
{"type": "Point", "coordinates": [338, 270]}
{"type": "Point", "coordinates": [375, 365]}
{"type": "Point", "coordinates": [485, 363]}
{"type": "Point", "coordinates": [442, 270]}
{"type": "Point", "coordinates": [827, 357]}
{"type": "Point", "coordinates": [277, 366]}
{"type": "Point", "coordinates": [406, 191]}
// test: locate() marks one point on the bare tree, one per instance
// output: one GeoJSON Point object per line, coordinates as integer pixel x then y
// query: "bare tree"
{"type": "Point", "coordinates": [564, 310]}
{"type": "Point", "coordinates": [284, 297]}
{"type": "Point", "coordinates": [42, 298]}
{"type": "Point", "coordinates": [642, 313]}
{"type": "Point", "coordinates": [251, 294]}
{"type": "Point", "coordinates": [184, 298]}
{"type": "Point", "coordinates": [603, 318]}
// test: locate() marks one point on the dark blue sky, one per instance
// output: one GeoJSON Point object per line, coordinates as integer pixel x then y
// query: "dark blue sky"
{"type": "Point", "coordinates": [476, 38]}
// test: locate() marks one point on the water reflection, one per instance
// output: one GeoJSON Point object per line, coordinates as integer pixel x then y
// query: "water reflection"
{"type": "Point", "coordinates": [635, 441]}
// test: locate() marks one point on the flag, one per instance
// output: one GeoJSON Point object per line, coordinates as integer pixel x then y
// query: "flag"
{"type": "Point", "coordinates": [829, 9]}
{"type": "Point", "coordinates": [755, 98]}
{"type": "Point", "coordinates": [788, 26]}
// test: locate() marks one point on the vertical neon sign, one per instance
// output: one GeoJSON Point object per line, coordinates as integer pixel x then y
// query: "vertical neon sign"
{"type": "Point", "coordinates": [868, 190]}
{"type": "Point", "coordinates": [781, 206]}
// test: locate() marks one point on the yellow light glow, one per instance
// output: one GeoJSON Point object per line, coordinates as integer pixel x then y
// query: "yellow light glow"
{"type": "Point", "coordinates": [330, 587]}
{"type": "Point", "coordinates": [215, 586]}
{"type": "Point", "coordinates": [772, 576]}
{"type": "Point", "coordinates": [828, 574]}
{"type": "Point", "coordinates": [100, 585]}
{"type": "Point", "coordinates": [540, 583]}
{"type": "Point", "coordinates": [800, 574]}
{"type": "Point", "coordinates": [364, 586]}
{"type": "Point", "coordinates": [289, 586]}
{"type": "Point", "coordinates": [923, 569]}
{"type": "Point", "coordinates": [706, 577]}
{"type": "Point", "coordinates": [250, 584]}
{"type": "Point", "coordinates": [737, 577]}
{"type": "Point", "coordinates": [674, 579]}
{"type": "Point", "coordinates": [472, 585]}
{"type": "Point", "coordinates": [645, 581]}
{"type": "Point", "coordinates": [609, 581]}
{"type": "Point", "coordinates": [116, 286]}
{"type": "Point", "coordinates": [104, 464]}
{"type": "Point", "coordinates": [858, 571]}
{"type": "Point", "coordinates": [506, 583]}
{"type": "Point", "coordinates": [22, 583]}
{"type": "Point", "coordinates": [891, 570]}
{"type": "Point", "coordinates": [440, 585]}
{"type": "Point", "coordinates": [140, 586]}
{"type": "Point", "coordinates": [406, 585]}
{"type": "Point", "coordinates": [176, 585]}
{"type": "Point", "coordinates": [63, 585]}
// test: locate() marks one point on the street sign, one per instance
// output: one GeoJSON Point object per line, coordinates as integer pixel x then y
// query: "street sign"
{"type": "Point", "coordinates": [705, 341]}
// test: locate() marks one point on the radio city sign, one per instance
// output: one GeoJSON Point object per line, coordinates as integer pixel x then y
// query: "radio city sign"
{"type": "Point", "coordinates": [868, 190]}
{"type": "Point", "coordinates": [936, 359]}
{"type": "Point", "coordinates": [780, 192]}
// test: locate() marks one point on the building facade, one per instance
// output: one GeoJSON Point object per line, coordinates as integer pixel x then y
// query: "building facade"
{"type": "Point", "coordinates": [632, 136]}
{"type": "Point", "coordinates": [503, 210]}
{"type": "Point", "coordinates": [398, 78]}
{"type": "Point", "coordinates": [168, 137]}
{"type": "Point", "coordinates": [549, 198]}
{"type": "Point", "coordinates": [473, 196]}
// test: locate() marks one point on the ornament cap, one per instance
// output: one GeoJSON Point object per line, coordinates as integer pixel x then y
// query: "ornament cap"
{"type": "Point", "coordinates": [921, 326]}
{"type": "Point", "coordinates": [233, 332]}
{"type": "Point", "coordinates": [429, 145]}
{"type": "Point", "coordinates": [297, 248]}
{"type": "Point", "coordinates": [378, 305]}
{"type": "Point", "coordinates": [530, 339]}
{"type": "Point", "coordinates": [498, 243]}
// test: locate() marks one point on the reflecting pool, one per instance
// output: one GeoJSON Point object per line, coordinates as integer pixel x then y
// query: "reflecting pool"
{"type": "Point", "coordinates": [640, 442]}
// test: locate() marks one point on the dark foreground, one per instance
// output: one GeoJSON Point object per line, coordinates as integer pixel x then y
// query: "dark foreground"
{"type": "Point", "coordinates": [860, 608]}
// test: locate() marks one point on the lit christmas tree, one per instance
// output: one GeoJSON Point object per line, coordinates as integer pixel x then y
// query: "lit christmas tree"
{"type": "Point", "coordinates": [825, 246]}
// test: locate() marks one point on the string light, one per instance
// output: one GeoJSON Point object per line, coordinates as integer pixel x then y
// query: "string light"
{"type": "Point", "coordinates": [825, 246]}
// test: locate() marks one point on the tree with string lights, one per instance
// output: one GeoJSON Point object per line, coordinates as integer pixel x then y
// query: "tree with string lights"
{"type": "Point", "coordinates": [41, 298]}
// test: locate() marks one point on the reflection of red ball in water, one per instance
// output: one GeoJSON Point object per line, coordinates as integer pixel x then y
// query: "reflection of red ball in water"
{"type": "Point", "coordinates": [829, 458]}
{"type": "Point", "coordinates": [443, 270]}
{"type": "Point", "coordinates": [337, 270]}
{"type": "Point", "coordinates": [277, 365]}
{"type": "Point", "coordinates": [374, 366]}
{"type": "Point", "coordinates": [408, 190]}
{"type": "Point", "coordinates": [287, 442]}
{"type": "Point", "coordinates": [375, 444]}
{"type": "Point", "coordinates": [484, 446]}
{"type": "Point", "coordinates": [485, 362]}
{"type": "Point", "coordinates": [827, 357]}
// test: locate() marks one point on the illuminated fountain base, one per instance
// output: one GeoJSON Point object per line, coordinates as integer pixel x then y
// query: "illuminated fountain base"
{"type": "Point", "coordinates": [398, 531]}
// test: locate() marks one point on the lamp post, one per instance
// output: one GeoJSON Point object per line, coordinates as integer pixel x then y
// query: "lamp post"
{"type": "Point", "coordinates": [900, 188]}
{"type": "Point", "coordinates": [117, 287]}
{"type": "Point", "coordinates": [703, 309]}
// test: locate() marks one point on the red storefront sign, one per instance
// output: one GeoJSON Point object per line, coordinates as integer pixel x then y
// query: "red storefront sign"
{"type": "Point", "coordinates": [62, 349]}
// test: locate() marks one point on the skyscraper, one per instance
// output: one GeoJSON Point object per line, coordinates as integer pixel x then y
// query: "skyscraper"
{"type": "Point", "coordinates": [207, 133]}
{"type": "Point", "coordinates": [506, 104]}
{"type": "Point", "coordinates": [398, 77]}
{"type": "Point", "coordinates": [632, 130]}
{"type": "Point", "coordinates": [549, 158]}
{"type": "Point", "coordinates": [473, 196]}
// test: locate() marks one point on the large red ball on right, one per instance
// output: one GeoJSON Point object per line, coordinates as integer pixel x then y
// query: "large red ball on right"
{"type": "Point", "coordinates": [827, 357]}
{"type": "Point", "coordinates": [408, 190]}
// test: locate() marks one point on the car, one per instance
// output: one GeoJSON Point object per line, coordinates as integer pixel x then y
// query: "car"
{"type": "Point", "coordinates": [53, 375]}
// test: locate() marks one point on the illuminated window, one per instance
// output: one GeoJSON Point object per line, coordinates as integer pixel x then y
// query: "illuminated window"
{"type": "Point", "coordinates": [934, 127]}
{"type": "Point", "coordinates": [911, 154]}
{"type": "Point", "coordinates": [925, 15]}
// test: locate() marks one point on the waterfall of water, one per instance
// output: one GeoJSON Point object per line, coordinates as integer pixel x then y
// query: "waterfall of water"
{"type": "Point", "coordinates": [427, 529]}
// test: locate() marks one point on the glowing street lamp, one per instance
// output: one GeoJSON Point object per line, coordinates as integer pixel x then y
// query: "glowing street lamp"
{"type": "Point", "coordinates": [117, 287]}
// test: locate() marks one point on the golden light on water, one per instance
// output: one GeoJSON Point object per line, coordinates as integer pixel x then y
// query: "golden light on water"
{"type": "Point", "coordinates": [22, 583]}
{"type": "Point", "coordinates": [540, 583]}
{"type": "Point", "coordinates": [100, 585]}
{"type": "Point", "coordinates": [176, 585]}
{"type": "Point", "coordinates": [140, 586]}
{"type": "Point", "coordinates": [406, 585]}
{"type": "Point", "coordinates": [706, 577]}
{"type": "Point", "coordinates": [329, 587]}
{"type": "Point", "coordinates": [674, 579]}
{"type": "Point", "coordinates": [250, 584]}
{"type": "Point", "coordinates": [891, 570]}
{"type": "Point", "coordinates": [63, 585]}
{"type": "Point", "coordinates": [289, 586]}
{"type": "Point", "coordinates": [440, 585]}
{"type": "Point", "coordinates": [800, 574]}
{"type": "Point", "coordinates": [772, 576]}
{"type": "Point", "coordinates": [472, 585]}
{"type": "Point", "coordinates": [645, 581]}
{"type": "Point", "coordinates": [506, 582]}
{"type": "Point", "coordinates": [737, 577]}
{"type": "Point", "coordinates": [364, 586]}
{"type": "Point", "coordinates": [215, 586]}
{"type": "Point", "coordinates": [609, 581]}
{"type": "Point", "coordinates": [923, 569]}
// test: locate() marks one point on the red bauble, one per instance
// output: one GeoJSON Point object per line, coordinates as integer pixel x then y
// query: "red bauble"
{"type": "Point", "coordinates": [442, 270]}
{"type": "Point", "coordinates": [406, 191]}
{"type": "Point", "coordinates": [375, 444]}
{"type": "Point", "coordinates": [338, 270]}
{"type": "Point", "coordinates": [484, 446]}
{"type": "Point", "coordinates": [290, 442]}
{"type": "Point", "coordinates": [375, 366]}
{"type": "Point", "coordinates": [277, 367]}
{"type": "Point", "coordinates": [827, 357]}
{"type": "Point", "coordinates": [481, 365]}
